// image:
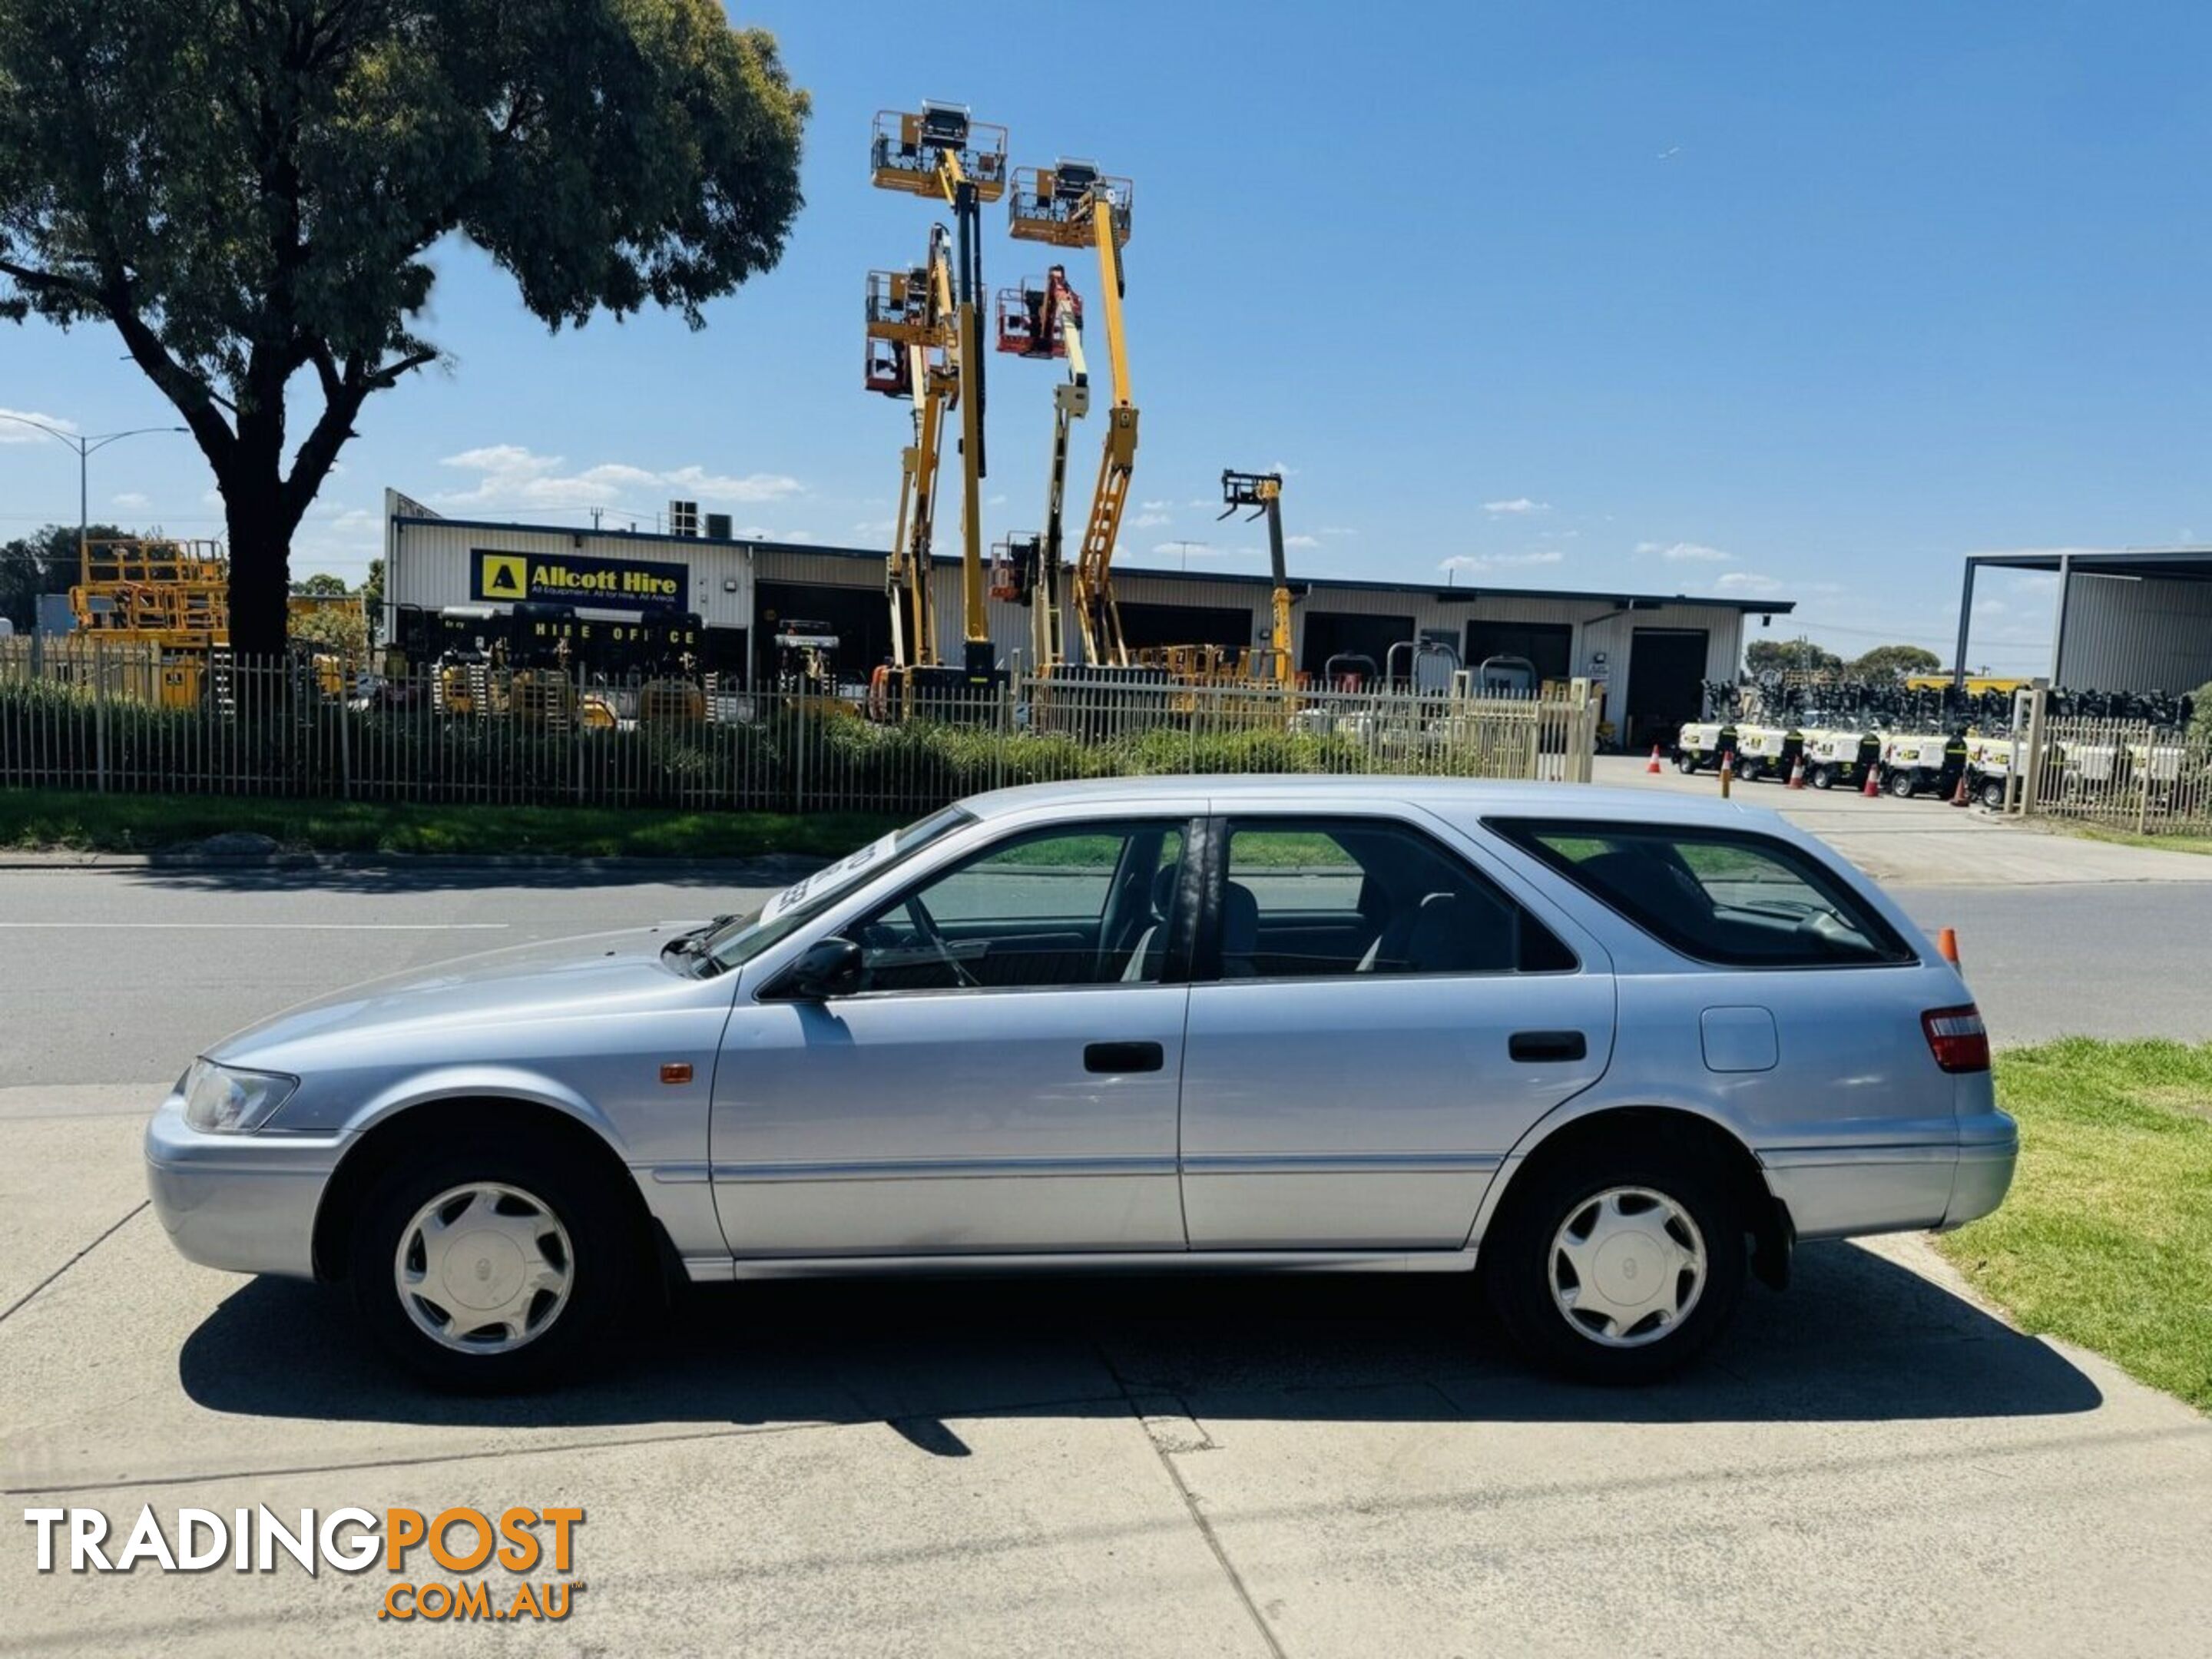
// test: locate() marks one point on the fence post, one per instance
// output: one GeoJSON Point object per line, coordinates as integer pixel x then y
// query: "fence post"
{"type": "Point", "coordinates": [799, 758]}
{"type": "Point", "coordinates": [99, 716]}
{"type": "Point", "coordinates": [1004, 722]}
{"type": "Point", "coordinates": [2150, 758]}
{"type": "Point", "coordinates": [345, 715]}
{"type": "Point", "coordinates": [2037, 702]}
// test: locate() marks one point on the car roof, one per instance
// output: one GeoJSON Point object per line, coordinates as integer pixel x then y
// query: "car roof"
{"type": "Point", "coordinates": [1447, 797]}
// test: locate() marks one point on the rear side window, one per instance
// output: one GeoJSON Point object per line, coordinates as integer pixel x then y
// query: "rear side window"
{"type": "Point", "coordinates": [1741, 900]}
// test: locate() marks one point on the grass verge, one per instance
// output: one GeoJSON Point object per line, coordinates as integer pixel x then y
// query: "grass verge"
{"type": "Point", "coordinates": [41, 820]}
{"type": "Point", "coordinates": [2128, 838]}
{"type": "Point", "coordinates": [2107, 1237]}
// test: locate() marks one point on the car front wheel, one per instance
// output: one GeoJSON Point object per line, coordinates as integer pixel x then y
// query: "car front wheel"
{"type": "Point", "coordinates": [1903, 785]}
{"type": "Point", "coordinates": [1618, 1267]}
{"type": "Point", "coordinates": [489, 1266]}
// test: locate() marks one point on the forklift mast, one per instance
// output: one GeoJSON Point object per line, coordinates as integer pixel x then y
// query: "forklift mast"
{"type": "Point", "coordinates": [1043, 317]}
{"type": "Point", "coordinates": [1262, 492]}
{"type": "Point", "coordinates": [910, 326]}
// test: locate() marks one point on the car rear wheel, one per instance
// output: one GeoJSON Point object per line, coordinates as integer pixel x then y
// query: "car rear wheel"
{"type": "Point", "coordinates": [1902, 786]}
{"type": "Point", "coordinates": [1686, 764]}
{"type": "Point", "coordinates": [489, 1266]}
{"type": "Point", "coordinates": [1824, 776]}
{"type": "Point", "coordinates": [1620, 1266]}
{"type": "Point", "coordinates": [1993, 793]}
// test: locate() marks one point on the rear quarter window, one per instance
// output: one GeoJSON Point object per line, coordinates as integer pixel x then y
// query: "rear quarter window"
{"type": "Point", "coordinates": [1729, 897]}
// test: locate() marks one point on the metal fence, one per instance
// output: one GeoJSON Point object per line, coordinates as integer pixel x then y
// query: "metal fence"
{"type": "Point", "coordinates": [2123, 774]}
{"type": "Point", "coordinates": [116, 719]}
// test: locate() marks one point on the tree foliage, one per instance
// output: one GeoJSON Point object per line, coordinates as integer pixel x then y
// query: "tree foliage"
{"type": "Point", "coordinates": [1799, 656]}
{"type": "Point", "coordinates": [247, 190]}
{"type": "Point", "coordinates": [1894, 662]}
{"type": "Point", "coordinates": [44, 562]}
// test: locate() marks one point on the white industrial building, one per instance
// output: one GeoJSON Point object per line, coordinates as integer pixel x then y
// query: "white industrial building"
{"type": "Point", "coordinates": [1648, 653]}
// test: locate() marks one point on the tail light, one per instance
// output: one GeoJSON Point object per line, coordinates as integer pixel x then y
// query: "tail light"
{"type": "Point", "coordinates": [1957, 1037]}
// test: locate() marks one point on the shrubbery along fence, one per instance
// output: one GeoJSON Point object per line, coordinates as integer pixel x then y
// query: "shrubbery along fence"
{"type": "Point", "coordinates": [105, 720]}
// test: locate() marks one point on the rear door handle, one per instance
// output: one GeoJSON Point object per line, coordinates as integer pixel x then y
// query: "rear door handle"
{"type": "Point", "coordinates": [1124, 1057]}
{"type": "Point", "coordinates": [1535, 1048]}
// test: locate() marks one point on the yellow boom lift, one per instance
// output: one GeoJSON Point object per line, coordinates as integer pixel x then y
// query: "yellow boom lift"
{"type": "Point", "coordinates": [1043, 317]}
{"type": "Point", "coordinates": [939, 151]}
{"type": "Point", "coordinates": [1073, 205]}
{"type": "Point", "coordinates": [1263, 493]}
{"type": "Point", "coordinates": [910, 328]}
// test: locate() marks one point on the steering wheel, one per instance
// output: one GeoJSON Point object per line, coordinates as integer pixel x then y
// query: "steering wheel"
{"type": "Point", "coordinates": [925, 928]}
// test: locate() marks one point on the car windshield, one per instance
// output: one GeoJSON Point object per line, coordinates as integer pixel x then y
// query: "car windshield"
{"type": "Point", "coordinates": [741, 939]}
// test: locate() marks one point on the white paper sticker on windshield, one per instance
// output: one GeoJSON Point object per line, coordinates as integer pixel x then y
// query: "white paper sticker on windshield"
{"type": "Point", "coordinates": [841, 873]}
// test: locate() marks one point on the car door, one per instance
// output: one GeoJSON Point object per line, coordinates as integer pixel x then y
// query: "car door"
{"type": "Point", "coordinates": [1374, 1022]}
{"type": "Point", "coordinates": [1003, 1075]}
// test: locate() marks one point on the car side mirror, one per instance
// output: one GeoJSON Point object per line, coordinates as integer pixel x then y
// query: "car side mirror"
{"type": "Point", "coordinates": [828, 968]}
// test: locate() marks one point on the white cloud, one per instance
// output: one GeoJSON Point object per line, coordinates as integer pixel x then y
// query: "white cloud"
{"type": "Point", "coordinates": [1150, 520]}
{"type": "Point", "coordinates": [130, 501]}
{"type": "Point", "coordinates": [1501, 561]}
{"type": "Point", "coordinates": [1156, 507]}
{"type": "Point", "coordinates": [994, 500]}
{"type": "Point", "coordinates": [511, 475]}
{"type": "Point", "coordinates": [875, 526]}
{"type": "Point", "coordinates": [1519, 507]}
{"type": "Point", "coordinates": [1746, 581]}
{"type": "Point", "coordinates": [1335, 529]}
{"type": "Point", "coordinates": [1684, 552]}
{"type": "Point", "coordinates": [1301, 541]}
{"type": "Point", "coordinates": [13, 431]}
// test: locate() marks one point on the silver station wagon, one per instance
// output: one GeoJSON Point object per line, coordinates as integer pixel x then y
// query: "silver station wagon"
{"type": "Point", "coordinates": [1609, 1052]}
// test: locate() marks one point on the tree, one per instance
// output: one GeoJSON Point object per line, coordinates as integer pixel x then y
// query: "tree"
{"type": "Point", "coordinates": [44, 562]}
{"type": "Point", "coordinates": [246, 191]}
{"type": "Point", "coordinates": [1894, 662]}
{"type": "Point", "coordinates": [322, 586]}
{"type": "Point", "coordinates": [1799, 655]}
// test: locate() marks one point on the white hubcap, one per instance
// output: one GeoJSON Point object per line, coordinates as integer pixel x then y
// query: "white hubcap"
{"type": "Point", "coordinates": [1626, 1267]}
{"type": "Point", "coordinates": [483, 1269]}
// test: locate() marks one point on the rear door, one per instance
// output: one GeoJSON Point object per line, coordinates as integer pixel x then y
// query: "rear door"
{"type": "Point", "coordinates": [1380, 1013]}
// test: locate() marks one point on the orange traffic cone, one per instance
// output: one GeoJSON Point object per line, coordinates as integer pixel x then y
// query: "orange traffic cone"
{"type": "Point", "coordinates": [1654, 767]}
{"type": "Point", "coordinates": [1872, 783]}
{"type": "Point", "coordinates": [1797, 773]}
{"type": "Point", "coordinates": [1959, 795]}
{"type": "Point", "coordinates": [1947, 944]}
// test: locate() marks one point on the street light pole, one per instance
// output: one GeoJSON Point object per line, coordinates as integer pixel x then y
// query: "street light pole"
{"type": "Point", "coordinates": [85, 445]}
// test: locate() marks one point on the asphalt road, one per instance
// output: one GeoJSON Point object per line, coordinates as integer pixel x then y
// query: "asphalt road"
{"type": "Point", "coordinates": [121, 975]}
{"type": "Point", "coordinates": [1873, 1464]}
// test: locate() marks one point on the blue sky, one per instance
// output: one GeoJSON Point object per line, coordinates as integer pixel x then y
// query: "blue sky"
{"type": "Point", "coordinates": [1702, 297]}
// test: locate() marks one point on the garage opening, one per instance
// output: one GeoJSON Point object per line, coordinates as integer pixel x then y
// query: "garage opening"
{"type": "Point", "coordinates": [1666, 683]}
{"type": "Point", "coordinates": [1346, 633]}
{"type": "Point", "coordinates": [1549, 646]}
{"type": "Point", "coordinates": [859, 617]}
{"type": "Point", "coordinates": [1144, 626]}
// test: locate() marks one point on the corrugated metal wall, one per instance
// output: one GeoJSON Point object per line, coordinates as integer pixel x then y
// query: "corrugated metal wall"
{"type": "Point", "coordinates": [428, 564]}
{"type": "Point", "coordinates": [2148, 635]}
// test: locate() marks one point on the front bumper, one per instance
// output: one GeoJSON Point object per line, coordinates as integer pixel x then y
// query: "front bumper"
{"type": "Point", "coordinates": [243, 1203]}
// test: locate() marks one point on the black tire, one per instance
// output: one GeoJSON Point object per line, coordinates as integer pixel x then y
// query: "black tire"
{"type": "Point", "coordinates": [1750, 772]}
{"type": "Point", "coordinates": [1903, 785]}
{"type": "Point", "coordinates": [1824, 776]}
{"type": "Point", "coordinates": [1993, 793]}
{"type": "Point", "coordinates": [1517, 1266]}
{"type": "Point", "coordinates": [604, 1261]}
{"type": "Point", "coordinates": [1686, 764]}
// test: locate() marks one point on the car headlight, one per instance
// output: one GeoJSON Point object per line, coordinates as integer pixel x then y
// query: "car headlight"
{"type": "Point", "coordinates": [221, 1100]}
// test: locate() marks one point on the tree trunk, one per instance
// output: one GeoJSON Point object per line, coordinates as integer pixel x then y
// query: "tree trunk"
{"type": "Point", "coordinates": [260, 565]}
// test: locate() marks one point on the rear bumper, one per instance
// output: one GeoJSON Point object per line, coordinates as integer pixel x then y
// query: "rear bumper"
{"type": "Point", "coordinates": [244, 1203]}
{"type": "Point", "coordinates": [1989, 1152]}
{"type": "Point", "coordinates": [1841, 1192]}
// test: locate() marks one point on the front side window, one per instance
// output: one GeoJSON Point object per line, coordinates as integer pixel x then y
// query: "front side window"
{"type": "Point", "coordinates": [1311, 897]}
{"type": "Point", "coordinates": [1089, 904]}
{"type": "Point", "coordinates": [1719, 895]}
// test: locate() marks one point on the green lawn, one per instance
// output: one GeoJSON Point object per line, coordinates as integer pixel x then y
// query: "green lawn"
{"type": "Point", "coordinates": [2128, 838]}
{"type": "Point", "coordinates": [35, 819]}
{"type": "Point", "coordinates": [2107, 1237]}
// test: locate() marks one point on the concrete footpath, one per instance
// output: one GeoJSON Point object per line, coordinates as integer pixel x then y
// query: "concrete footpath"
{"type": "Point", "coordinates": [1924, 841]}
{"type": "Point", "coordinates": [1871, 1465]}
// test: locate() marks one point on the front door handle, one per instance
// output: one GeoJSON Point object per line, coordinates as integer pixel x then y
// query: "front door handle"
{"type": "Point", "coordinates": [1536, 1048]}
{"type": "Point", "coordinates": [1124, 1057]}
